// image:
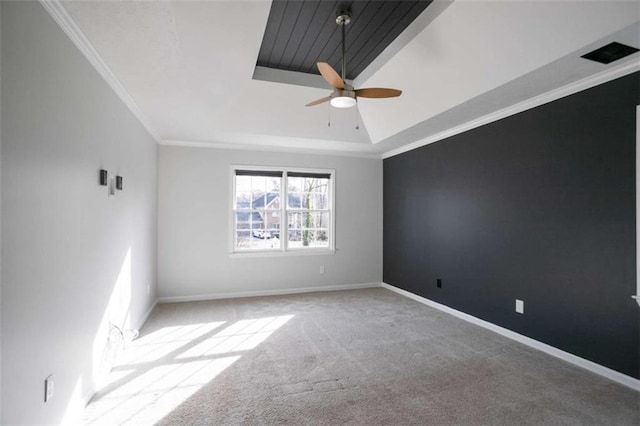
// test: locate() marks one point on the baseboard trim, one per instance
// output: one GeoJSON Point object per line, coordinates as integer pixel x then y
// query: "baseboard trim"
{"type": "Point", "coordinates": [616, 376]}
{"type": "Point", "coordinates": [145, 317]}
{"type": "Point", "coordinates": [277, 292]}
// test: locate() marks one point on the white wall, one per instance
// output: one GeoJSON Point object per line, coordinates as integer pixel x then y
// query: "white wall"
{"type": "Point", "coordinates": [193, 225]}
{"type": "Point", "coordinates": [0, 216]}
{"type": "Point", "coordinates": [73, 259]}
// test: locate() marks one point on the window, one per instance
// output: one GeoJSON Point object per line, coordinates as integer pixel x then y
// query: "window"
{"type": "Point", "coordinates": [282, 210]}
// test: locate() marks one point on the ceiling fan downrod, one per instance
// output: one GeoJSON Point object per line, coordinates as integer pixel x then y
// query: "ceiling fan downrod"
{"type": "Point", "coordinates": [344, 95]}
{"type": "Point", "coordinates": [343, 20]}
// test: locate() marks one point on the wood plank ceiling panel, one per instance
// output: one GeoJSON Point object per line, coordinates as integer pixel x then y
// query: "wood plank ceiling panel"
{"type": "Point", "coordinates": [271, 31]}
{"type": "Point", "coordinates": [382, 34]}
{"type": "Point", "coordinates": [287, 30]}
{"type": "Point", "coordinates": [300, 33]}
{"type": "Point", "coordinates": [324, 14]}
{"type": "Point", "coordinates": [328, 33]}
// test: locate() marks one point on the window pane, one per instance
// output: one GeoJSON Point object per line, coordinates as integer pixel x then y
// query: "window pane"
{"type": "Point", "coordinates": [243, 220]}
{"type": "Point", "coordinates": [273, 201]}
{"type": "Point", "coordinates": [323, 237]}
{"type": "Point", "coordinates": [306, 201]}
{"type": "Point", "coordinates": [259, 184]}
{"type": "Point", "coordinates": [323, 220]}
{"type": "Point", "coordinates": [294, 184]}
{"type": "Point", "coordinates": [243, 200]}
{"type": "Point", "coordinates": [271, 220]}
{"type": "Point", "coordinates": [308, 220]}
{"type": "Point", "coordinates": [243, 239]}
{"type": "Point", "coordinates": [294, 220]}
{"type": "Point", "coordinates": [275, 232]}
{"type": "Point", "coordinates": [258, 200]}
{"type": "Point", "coordinates": [309, 184]}
{"type": "Point", "coordinates": [295, 238]}
{"type": "Point", "coordinates": [323, 186]}
{"type": "Point", "coordinates": [243, 183]}
{"type": "Point", "coordinates": [273, 184]}
{"type": "Point", "coordinates": [294, 200]}
{"type": "Point", "coordinates": [320, 201]}
{"type": "Point", "coordinates": [308, 237]}
{"type": "Point", "coordinates": [258, 230]}
{"type": "Point", "coordinates": [315, 185]}
{"type": "Point", "coordinates": [257, 240]}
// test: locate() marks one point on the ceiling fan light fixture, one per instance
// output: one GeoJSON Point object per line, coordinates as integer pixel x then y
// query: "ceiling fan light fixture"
{"type": "Point", "coordinates": [343, 102]}
{"type": "Point", "coordinates": [344, 95]}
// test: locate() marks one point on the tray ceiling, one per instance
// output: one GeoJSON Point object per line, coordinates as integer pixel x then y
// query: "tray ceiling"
{"type": "Point", "coordinates": [301, 33]}
{"type": "Point", "coordinates": [188, 67]}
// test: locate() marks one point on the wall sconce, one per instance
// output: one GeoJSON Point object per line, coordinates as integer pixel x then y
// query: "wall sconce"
{"type": "Point", "coordinates": [112, 182]}
{"type": "Point", "coordinates": [104, 177]}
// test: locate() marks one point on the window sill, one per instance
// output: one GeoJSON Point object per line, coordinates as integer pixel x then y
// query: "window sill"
{"type": "Point", "coordinates": [309, 252]}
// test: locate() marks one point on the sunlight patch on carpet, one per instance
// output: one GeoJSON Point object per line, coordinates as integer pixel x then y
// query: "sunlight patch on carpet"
{"type": "Point", "coordinates": [163, 369]}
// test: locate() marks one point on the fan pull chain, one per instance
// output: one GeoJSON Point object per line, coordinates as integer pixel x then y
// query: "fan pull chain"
{"type": "Point", "coordinates": [357, 114]}
{"type": "Point", "coordinates": [329, 114]}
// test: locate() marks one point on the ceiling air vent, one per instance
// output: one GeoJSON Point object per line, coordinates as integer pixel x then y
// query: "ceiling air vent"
{"type": "Point", "coordinates": [611, 52]}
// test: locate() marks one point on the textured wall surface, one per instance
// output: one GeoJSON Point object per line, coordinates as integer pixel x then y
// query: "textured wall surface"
{"type": "Point", "coordinates": [540, 207]}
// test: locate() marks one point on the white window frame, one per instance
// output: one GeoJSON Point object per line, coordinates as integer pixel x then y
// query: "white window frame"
{"type": "Point", "coordinates": [284, 249]}
{"type": "Point", "coordinates": [637, 295]}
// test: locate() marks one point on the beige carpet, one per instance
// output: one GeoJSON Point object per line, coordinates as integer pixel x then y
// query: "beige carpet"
{"type": "Point", "coordinates": [366, 357]}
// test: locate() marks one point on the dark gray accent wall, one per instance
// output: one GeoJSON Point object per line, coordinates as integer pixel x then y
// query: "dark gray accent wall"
{"type": "Point", "coordinates": [539, 206]}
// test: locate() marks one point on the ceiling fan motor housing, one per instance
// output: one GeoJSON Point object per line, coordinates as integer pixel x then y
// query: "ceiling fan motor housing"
{"type": "Point", "coordinates": [343, 98]}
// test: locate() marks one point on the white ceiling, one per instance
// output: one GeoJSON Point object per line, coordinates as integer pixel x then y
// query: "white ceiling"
{"type": "Point", "coordinates": [188, 67]}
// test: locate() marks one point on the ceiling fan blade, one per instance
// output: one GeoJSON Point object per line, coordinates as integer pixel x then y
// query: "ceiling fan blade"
{"type": "Point", "coordinates": [376, 92]}
{"type": "Point", "coordinates": [329, 74]}
{"type": "Point", "coordinates": [318, 101]}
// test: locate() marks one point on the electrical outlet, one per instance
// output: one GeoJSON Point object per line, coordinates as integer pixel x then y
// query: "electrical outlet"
{"type": "Point", "coordinates": [439, 283]}
{"type": "Point", "coordinates": [48, 388]}
{"type": "Point", "coordinates": [322, 269]}
{"type": "Point", "coordinates": [519, 306]}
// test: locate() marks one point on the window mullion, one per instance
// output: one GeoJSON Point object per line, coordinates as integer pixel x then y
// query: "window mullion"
{"type": "Point", "coordinates": [284, 220]}
{"type": "Point", "coordinates": [234, 208]}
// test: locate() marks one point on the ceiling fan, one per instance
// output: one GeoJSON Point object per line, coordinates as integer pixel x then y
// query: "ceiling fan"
{"type": "Point", "coordinates": [344, 95]}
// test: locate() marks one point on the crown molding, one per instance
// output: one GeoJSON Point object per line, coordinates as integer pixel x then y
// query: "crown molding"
{"type": "Point", "coordinates": [270, 148]}
{"type": "Point", "coordinates": [550, 96]}
{"type": "Point", "coordinates": [71, 29]}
